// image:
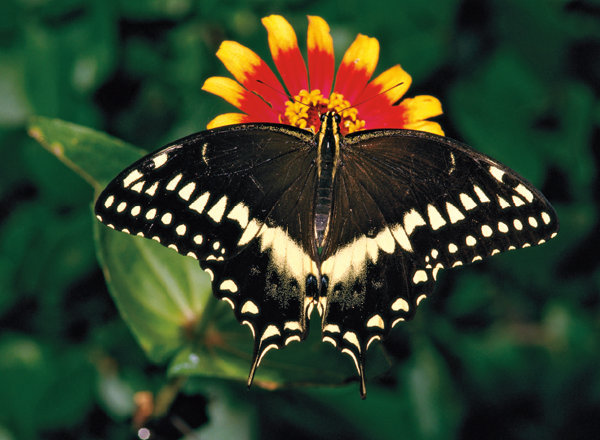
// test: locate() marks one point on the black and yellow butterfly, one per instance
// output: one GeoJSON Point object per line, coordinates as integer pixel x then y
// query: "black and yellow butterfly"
{"type": "Point", "coordinates": [357, 227]}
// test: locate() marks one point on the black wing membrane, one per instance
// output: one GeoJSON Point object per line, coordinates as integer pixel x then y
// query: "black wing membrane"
{"type": "Point", "coordinates": [407, 204]}
{"type": "Point", "coordinates": [238, 199]}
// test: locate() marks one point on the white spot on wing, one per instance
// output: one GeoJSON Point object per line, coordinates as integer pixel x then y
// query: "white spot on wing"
{"type": "Point", "coordinates": [420, 276]}
{"type": "Point", "coordinates": [497, 173]}
{"type": "Point", "coordinates": [518, 201]}
{"type": "Point", "coordinates": [159, 161]}
{"type": "Point", "coordinates": [167, 218]}
{"type": "Point", "coordinates": [452, 248]}
{"type": "Point", "coordinates": [435, 218]}
{"type": "Point", "coordinates": [353, 356]}
{"type": "Point", "coordinates": [186, 192]}
{"type": "Point", "coordinates": [132, 177]}
{"type": "Point", "coordinates": [229, 285]}
{"type": "Point", "coordinates": [181, 229]}
{"type": "Point", "coordinates": [250, 232]}
{"type": "Point", "coordinates": [546, 218]}
{"type": "Point", "coordinates": [397, 321]}
{"type": "Point", "coordinates": [152, 190]}
{"type": "Point", "coordinates": [470, 240]}
{"type": "Point", "coordinates": [292, 325]}
{"type": "Point", "coordinates": [412, 219]}
{"type": "Point", "coordinates": [331, 328]}
{"type": "Point", "coordinates": [486, 231]}
{"type": "Point", "coordinates": [376, 321]}
{"type": "Point", "coordinates": [109, 201]}
{"type": "Point", "coordinates": [518, 225]}
{"type": "Point", "coordinates": [373, 338]}
{"type": "Point", "coordinates": [533, 222]}
{"type": "Point", "coordinates": [385, 241]}
{"type": "Point", "coordinates": [503, 203]}
{"type": "Point", "coordinates": [269, 332]}
{"type": "Point", "coordinates": [453, 212]}
{"type": "Point", "coordinates": [353, 339]}
{"type": "Point", "coordinates": [435, 271]}
{"type": "Point", "coordinates": [135, 211]}
{"type": "Point", "coordinates": [482, 197]}
{"type": "Point", "coordinates": [400, 235]}
{"type": "Point", "coordinates": [250, 307]}
{"type": "Point", "coordinates": [292, 338]}
{"type": "Point", "coordinates": [200, 203]}
{"type": "Point", "coordinates": [217, 211]}
{"type": "Point", "coordinates": [174, 182]}
{"type": "Point", "coordinates": [241, 214]}
{"type": "Point", "coordinates": [522, 189]}
{"type": "Point", "coordinates": [467, 202]}
{"type": "Point", "coordinates": [121, 207]}
{"type": "Point", "coordinates": [400, 304]}
{"type": "Point", "coordinates": [330, 340]}
{"type": "Point", "coordinates": [138, 187]}
{"type": "Point", "coordinates": [151, 214]}
{"type": "Point", "coordinates": [198, 239]}
{"type": "Point", "coordinates": [502, 227]}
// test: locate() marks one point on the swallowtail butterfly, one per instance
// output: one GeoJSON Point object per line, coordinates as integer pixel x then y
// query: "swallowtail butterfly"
{"type": "Point", "coordinates": [358, 227]}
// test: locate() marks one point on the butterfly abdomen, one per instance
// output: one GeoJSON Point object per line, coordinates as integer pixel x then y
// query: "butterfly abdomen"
{"type": "Point", "coordinates": [328, 154]}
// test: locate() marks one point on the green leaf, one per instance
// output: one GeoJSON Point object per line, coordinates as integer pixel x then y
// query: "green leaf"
{"type": "Point", "coordinates": [160, 294]}
{"type": "Point", "coordinates": [95, 156]}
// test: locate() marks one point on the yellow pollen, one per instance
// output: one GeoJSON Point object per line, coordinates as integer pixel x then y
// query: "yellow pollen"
{"type": "Point", "coordinates": [305, 110]}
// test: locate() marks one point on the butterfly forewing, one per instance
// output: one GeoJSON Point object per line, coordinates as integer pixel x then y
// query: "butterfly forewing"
{"type": "Point", "coordinates": [232, 198]}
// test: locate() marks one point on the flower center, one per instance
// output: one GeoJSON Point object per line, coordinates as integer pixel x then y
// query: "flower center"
{"type": "Point", "coordinates": [307, 108]}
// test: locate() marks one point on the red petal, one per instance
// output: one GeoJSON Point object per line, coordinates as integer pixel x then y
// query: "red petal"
{"type": "Point", "coordinates": [382, 92]}
{"type": "Point", "coordinates": [357, 67]}
{"type": "Point", "coordinates": [286, 54]}
{"type": "Point", "coordinates": [321, 62]}
{"type": "Point", "coordinates": [235, 94]}
{"type": "Point", "coordinates": [248, 68]}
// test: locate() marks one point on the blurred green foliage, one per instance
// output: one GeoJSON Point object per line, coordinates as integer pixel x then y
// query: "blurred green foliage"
{"type": "Point", "coordinates": [506, 349]}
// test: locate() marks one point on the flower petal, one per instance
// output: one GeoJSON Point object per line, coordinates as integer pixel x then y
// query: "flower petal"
{"type": "Point", "coordinates": [357, 66]}
{"type": "Point", "coordinates": [394, 82]}
{"type": "Point", "coordinates": [286, 54]}
{"type": "Point", "coordinates": [420, 108]}
{"type": "Point", "coordinates": [228, 119]}
{"type": "Point", "coordinates": [321, 62]}
{"type": "Point", "coordinates": [428, 126]}
{"type": "Point", "coordinates": [235, 94]}
{"type": "Point", "coordinates": [409, 114]}
{"type": "Point", "coordinates": [248, 68]}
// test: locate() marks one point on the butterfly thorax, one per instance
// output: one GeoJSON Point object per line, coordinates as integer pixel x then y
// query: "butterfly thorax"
{"type": "Point", "coordinates": [327, 162]}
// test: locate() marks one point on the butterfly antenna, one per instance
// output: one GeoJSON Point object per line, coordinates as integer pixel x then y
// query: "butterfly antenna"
{"type": "Point", "coordinates": [287, 95]}
{"type": "Point", "coordinates": [372, 97]}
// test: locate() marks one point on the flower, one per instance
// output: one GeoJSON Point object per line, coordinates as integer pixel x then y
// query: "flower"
{"type": "Point", "coordinates": [361, 104]}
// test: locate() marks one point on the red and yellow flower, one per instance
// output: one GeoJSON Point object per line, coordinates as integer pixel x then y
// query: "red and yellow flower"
{"type": "Point", "coordinates": [361, 104]}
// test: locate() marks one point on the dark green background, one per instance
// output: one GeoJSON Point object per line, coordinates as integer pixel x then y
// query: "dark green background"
{"type": "Point", "coordinates": [506, 349]}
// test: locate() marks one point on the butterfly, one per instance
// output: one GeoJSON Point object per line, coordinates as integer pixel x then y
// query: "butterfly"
{"type": "Point", "coordinates": [285, 221]}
